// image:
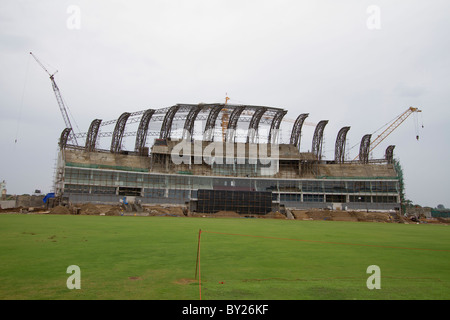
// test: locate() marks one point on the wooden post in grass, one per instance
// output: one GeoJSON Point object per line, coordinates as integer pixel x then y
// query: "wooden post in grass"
{"type": "Point", "coordinates": [198, 252]}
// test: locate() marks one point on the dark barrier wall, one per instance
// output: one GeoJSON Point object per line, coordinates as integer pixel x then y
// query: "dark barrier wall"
{"type": "Point", "coordinates": [242, 202]}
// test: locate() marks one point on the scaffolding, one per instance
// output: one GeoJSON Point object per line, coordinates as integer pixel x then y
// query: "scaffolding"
{"type": "Point", "coordinates": [242, 172]}
{"type": "Point", "coordinates": [102, 183]}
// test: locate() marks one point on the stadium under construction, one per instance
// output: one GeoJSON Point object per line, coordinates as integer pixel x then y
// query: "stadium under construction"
{"type": "Point", "coordinates": [221, 157]}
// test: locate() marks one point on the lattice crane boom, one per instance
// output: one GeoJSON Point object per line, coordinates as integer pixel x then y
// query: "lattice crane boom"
{"type": "Point", "coordinates": [397, 122]}
{"type": "Point", "coordinates": [225, 119]}
{"type": "Point", "coordinates": [60, 101]}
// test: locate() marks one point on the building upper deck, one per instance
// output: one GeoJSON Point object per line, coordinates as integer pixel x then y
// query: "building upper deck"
{"type": "Point", "coordinates": [290, 164]}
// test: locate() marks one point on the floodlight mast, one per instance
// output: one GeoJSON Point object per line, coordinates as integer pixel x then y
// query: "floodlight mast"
{"type": "Point", "coordinates": [60, 101]}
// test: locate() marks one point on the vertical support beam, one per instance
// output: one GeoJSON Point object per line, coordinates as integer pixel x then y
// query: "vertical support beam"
{"type": "Point", "coordinates": [190, 121]}
{"type": "Point", "coordinates": [275, 126]}
{"type": "Point", "coordinates": [167, 122]}
{"type": "Point", "coordinates": [296, 133]}
{"type": "Point", "coordinates": [208, 134]}
{"type": "Point", "coordinates": [232, 123]}
{"type": "Point", "coordinates": [339, 150]}
{"type": "Point", "coordinates": [389, 155]}
{"type": "Point", "coordinates": [64, 137]}
{"type": "Point", "coordinates": [318, 139]}
{"type": "Point", "coordinates": [119, 129]}
{"type": "Point", "coordinates": [254, 124]}
{"type": "Point", "coordinates": [141, 135]}
{"type": "Point", "coordinates": [364, 149]}
{"type": "Point", "coordinates": [91, 138]}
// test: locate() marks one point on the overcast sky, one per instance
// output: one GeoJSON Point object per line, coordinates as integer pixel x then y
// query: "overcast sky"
{"type": "Point", "coordinates": [355, 63]}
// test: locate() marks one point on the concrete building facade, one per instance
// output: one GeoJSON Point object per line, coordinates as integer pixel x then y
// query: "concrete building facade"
{"type": "Point", "coordinates": [185, 170]}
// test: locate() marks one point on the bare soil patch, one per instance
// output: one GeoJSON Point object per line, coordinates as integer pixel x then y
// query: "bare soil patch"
{"type": "Point", "coordinates": [342, 215]}
{"type": "Point", "coordinates": [181, 211]}
{"type": "Point", "coordinates": [60, 210]}
{"type": "Point", "coordinates": [185, 281]}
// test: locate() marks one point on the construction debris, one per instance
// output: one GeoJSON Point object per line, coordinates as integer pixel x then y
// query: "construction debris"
{"type": "Point", "coordinates": [182, 211]}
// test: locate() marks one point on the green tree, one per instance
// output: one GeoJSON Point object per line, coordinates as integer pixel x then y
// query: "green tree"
{"type": "Point", "coordinates": [399, 170]}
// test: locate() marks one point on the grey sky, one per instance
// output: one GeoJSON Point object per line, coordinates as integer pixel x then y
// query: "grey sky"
{"type": "Point", "coordinates": [317, 57]}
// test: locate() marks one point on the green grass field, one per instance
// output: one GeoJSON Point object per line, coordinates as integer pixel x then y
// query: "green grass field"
{"type": "Point", "coordinates": [154, 258]}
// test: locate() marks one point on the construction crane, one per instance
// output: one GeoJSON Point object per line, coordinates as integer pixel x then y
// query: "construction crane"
{"type": "Point", "coordinates": [62, 107]}
{"type": "Point", "coordinates": [398, 121]}
{"type": "Point", "coordinates": [225, 118]}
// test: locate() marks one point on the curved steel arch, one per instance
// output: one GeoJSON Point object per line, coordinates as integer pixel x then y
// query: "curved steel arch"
{"type": "Point", "coordinates": [318, 139]}
{"type": "Point", "coordinates": [254, 123]}
{"type": "Point", "coordinates": [190, 121]}
{"type": "Point", "coordinates": [141, 134]}
{"type": "Point", "coordinates": [116, 140]}
{"type": "Point", "coordinates": [166, 126]}
{"type": "Point", "coordinates": [208, 133]}
{"type": "Point", "coordinates": [92, 134]}
{"type": "Point", "coordinates": [364, 148]}
{"type": "Point", "coordinates": [389, 155]}
{"type": "Point", "coordinates": [232, 122]}
{"type": "Point", "coordinates": [296, 133]}
{"type": "Point", "coordinates": [64, 137]}
{"type": "Point", "coordinates": [275, 126]}
{"type": "Point", "coordinates": [339, 149]}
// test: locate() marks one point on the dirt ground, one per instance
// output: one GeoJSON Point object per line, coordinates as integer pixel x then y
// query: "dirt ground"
{"type": "Point", "coordinates": [342, 215]}
{"type": "Point", "coordinates": [180, 211]}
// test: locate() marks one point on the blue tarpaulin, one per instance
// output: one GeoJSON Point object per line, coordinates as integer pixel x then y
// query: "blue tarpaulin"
{"type": "Point", "coordinates": [48, 196]}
